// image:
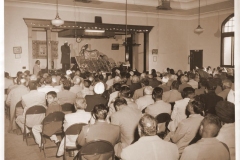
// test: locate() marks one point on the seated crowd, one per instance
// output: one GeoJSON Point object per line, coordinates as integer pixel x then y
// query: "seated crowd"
{"type": "Point", "coordinates": [170, 115]}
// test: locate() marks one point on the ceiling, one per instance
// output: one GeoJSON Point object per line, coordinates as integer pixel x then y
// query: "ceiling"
{"type": "Point", "coordinates": [179, 7]}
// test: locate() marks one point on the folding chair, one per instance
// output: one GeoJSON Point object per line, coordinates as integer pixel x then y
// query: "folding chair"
{"type": "Point", "coordinates": [37, 109]}
{"type": "Point", "coordinates": [67, 108]}
{"type": "Point", "coordinates": [172, 105]}
{"type": "Point", "coordinates": [163, 119]}
{"type": "Point", "coordinates": [74, 129]}
{"type": "Point", "coordinates": [144, 110]}
{"type": "Point", "coordinates": [97, 148]}
{"type": "Point", "coordinates": [56, 120]}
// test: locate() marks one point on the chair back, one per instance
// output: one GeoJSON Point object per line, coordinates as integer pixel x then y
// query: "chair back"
{"type": "Point", "coordinates": [19, 104]}
{"type": "Point", "coordinates": [68, 108]}
{"type": "Point", "coordinates": [172, 105]}
{"type": "Point", "coordinates": [74, 129]}
{"type": "Point", "coordinates": [52, 123]}
{"type": "Point", "coordinates": [34, 115]}
{"type": "Point", "coordinates": [37, 109]}
{"type": "Point", "coordinates": [54, 117]}
{"type": "Point", "coordinates": [97, 147]}
{"type": "Point", "coordinates": [163, 119]}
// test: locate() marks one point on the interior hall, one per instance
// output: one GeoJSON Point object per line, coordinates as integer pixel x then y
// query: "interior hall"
{"type": "Point", "coordinates": [120, 79]}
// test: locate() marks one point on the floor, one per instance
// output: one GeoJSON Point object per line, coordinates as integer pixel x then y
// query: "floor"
{"type": "Point", "coordinates": [17, 149]}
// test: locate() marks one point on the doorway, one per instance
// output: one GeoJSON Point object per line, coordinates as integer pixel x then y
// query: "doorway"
{"type": "Point", "coordinates": [195, 59]}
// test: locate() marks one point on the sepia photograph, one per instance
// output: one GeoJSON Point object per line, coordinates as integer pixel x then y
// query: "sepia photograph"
{"type": "Point", "coordinates": [120, 79]}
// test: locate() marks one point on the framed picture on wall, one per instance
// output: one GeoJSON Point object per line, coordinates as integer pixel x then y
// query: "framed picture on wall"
{"type": "Point", "coordinates": [39, 49]}
{"type": "Point", "coordinates": [17, 50]}
{"type": "Point", "coordinates": [115, 46]}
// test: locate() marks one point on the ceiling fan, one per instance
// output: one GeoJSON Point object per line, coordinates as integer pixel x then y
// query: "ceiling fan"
{"type": "Point", "coordinates": [164, 5]}
{"type": "Point", "coordinates": [125, 39]}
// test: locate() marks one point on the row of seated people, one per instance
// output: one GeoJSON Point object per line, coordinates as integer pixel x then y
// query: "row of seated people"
{"type": "Point", "coordinates": [143, 98]}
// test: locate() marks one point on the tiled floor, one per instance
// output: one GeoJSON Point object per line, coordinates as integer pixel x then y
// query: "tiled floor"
{"type": "Point", "coordinates": [17, 149]}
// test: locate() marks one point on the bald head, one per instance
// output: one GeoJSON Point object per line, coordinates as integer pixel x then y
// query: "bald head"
{"type": "Point", "coordinates": [147, 125]}
{"type": "Point", "coordinates": [210, 126]}
{"type": "Point", "coordinates": [77, 80]}
{"type": "Point", "coordinates": [80, 103]}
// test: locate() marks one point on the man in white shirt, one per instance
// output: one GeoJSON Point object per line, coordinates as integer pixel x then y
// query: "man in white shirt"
{"type": "Point", "coordinates": [80, 116]}
{"type": "Point", "coordinates": [149, 146]}
{"type": "Point", "coordinates": [146, 100]}
{"type": "Point", "coordinates": [159, 106]}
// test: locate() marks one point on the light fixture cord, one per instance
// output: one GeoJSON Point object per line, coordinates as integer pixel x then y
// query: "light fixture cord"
{"type": "Point", "coordinates": [126, 25]}
{"type": "Point", "coordinates": [57, 7]}
{"type": "Point", "coordinates": [199, 13]}
{"type": "Point", "coordinates": [75, 18]}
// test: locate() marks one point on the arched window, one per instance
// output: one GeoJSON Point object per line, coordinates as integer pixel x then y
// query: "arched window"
{"type": "Point", "coordinates": [227, 42]}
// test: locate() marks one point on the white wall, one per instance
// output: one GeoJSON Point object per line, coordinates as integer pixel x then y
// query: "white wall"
{"type": "Point", "coordinates": [209, 40]}
{"type": "Point", "coordinates": [172, 37]}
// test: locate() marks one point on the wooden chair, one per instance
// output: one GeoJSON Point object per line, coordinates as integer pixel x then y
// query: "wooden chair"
{"type": "Point", "coordinates": [37, 109]}
{"type": "Point", "coordinates": [56, 120]}
{"type": "Point", "coordinates": [97, 148]}
{"type": "Point", "coordinates": [67, 108]}
{"type": "Point", "coordinates": [74, 129]}
{"type": "Point", "coordinates": [163, 119]}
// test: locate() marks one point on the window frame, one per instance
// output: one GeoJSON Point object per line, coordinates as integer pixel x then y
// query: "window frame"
{"type": "Point", "coordinates": [223, 35]}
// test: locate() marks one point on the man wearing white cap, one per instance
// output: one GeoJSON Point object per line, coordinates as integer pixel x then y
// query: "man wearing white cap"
{"type": "Point", "coordinates": [164, 85]}
{"type": "Point", "coordinates": [97, 98]}
{"type": "Point", "coordinates": [65, 59]}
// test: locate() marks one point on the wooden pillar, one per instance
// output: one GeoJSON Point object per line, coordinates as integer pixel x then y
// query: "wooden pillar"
{"type": "Point", "coordinates": [48, 49]}
{"type": "Point", "coordinates": [30, 57]}
{"type": "Point", "coordinates": [146, 52]}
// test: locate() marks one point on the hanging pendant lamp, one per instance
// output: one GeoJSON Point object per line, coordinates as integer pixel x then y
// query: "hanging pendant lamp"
{"type": "Point", "coordinates": [57, 21]}
{"type": "Point", "coordinates": [199, 29]}
{"type": "Point", "coordinates": [126, 45]}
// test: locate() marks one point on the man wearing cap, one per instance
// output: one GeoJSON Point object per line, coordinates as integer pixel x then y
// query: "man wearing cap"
{"type": "Point", "coordinates": [97, 98]}
{"type": "Point", "coordinates": [146, 100]}
{"type": "Point", "coordinates": [226, 112]}
{"type": "Point", "coordinates": [164, 85]}
{"type": "Point", "coordinates": [65, 59]}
